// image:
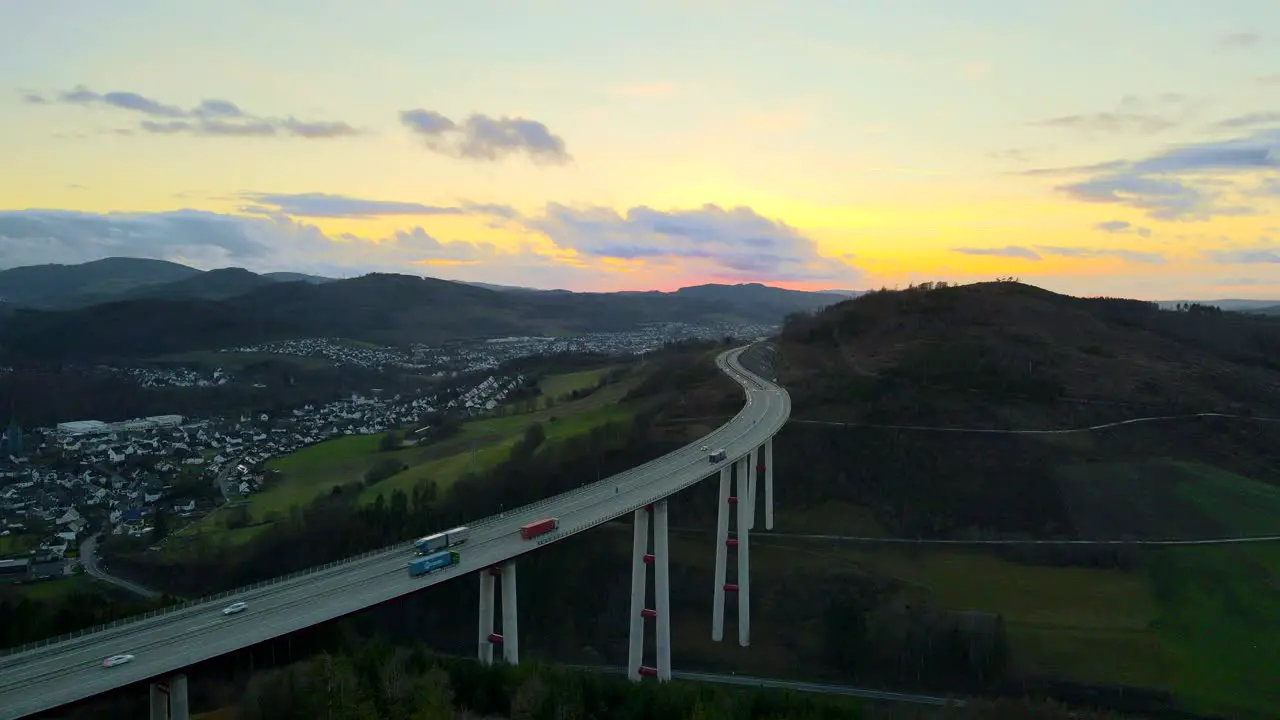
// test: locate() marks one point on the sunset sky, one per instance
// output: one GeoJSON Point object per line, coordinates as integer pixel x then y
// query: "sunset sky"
{"type": "Point", "coordinates": [1125, 147]}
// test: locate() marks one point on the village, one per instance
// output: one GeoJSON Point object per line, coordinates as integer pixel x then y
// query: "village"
{"type": "Point", "coordinates": [62, 486]}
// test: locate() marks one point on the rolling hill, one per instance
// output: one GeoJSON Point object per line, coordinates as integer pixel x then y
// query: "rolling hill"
{"type": "Point", "coordinates": [68, 286]}
{"type": "Point", "coordinates": [904, 407]}
{"type": "Point", "coordinates": [234, 307]}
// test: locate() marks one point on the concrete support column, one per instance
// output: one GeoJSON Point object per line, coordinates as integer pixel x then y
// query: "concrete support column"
{"type": "Point", "coordinates": [722, 555]}
{"type": "Point", "coordinates": [753, 481]}
{"type": "Point", "coordinates": [768, 484]}
{"type": "Point", "coordinates": [662, 590]}
{"type": "Point", "coordinates": [639, 548]}
{"type": "Point", "coordinates": [510, 622]}
{"type": "Point", "coordinates": [744, 564]}
{"type": "Point", "coordinates": [159, 702]}
{"type": "Point", "coordinates": [178, 707]}
{"type": "Point", "coordinates": [484, 644]}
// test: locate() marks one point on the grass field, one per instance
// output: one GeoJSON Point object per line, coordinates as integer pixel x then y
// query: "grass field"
{"type": "Point", "coordinates": [1197, 621]}
{"type": "Point", "coordinates": [17, 544]}
{"type": "Point", "coordinates": [554, 386]}
{"type": "Point", "coordinates": [485, 443]}
{"type": "Point", "coordinates": [478, 446]}
{"type": "Point", "coordinates": [46, 590]}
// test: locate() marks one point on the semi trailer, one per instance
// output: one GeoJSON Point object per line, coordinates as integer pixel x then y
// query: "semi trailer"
{"type": "Point", "coordinates": [539, 527]}
{"type": "Point", "coordinates": [433, 563]}
{"type": "Point", "coordinates": [441, 540]}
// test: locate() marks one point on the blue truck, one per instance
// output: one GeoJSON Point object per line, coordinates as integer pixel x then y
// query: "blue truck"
{"type": "Point", "coordinates": [433, 563]}
{"type": "Point", "coordinates": [441, 540]}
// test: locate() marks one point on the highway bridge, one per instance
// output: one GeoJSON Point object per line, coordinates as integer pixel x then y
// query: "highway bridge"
{"type": "Point", "coordinates": [65, 670]}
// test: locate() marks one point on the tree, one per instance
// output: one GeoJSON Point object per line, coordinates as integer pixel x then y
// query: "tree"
{"type": "Point", "coordinates": [159, 525]}
{"type": "Point", "coordinates": [391, 441]}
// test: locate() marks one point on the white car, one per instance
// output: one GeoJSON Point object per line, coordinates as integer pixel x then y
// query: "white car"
{"type": "Point", "coordinates": [234, 608]}
{"type": "Point", "coordinates": [704, 448]}
{"type": "Point", "coordinates": [115, 660]}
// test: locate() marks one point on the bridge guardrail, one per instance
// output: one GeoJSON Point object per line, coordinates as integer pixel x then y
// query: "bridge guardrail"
{"type": "Point", "coordinates": [397, 547]}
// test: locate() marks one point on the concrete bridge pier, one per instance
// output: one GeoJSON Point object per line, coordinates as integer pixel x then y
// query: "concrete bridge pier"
{"type": "Point", "coordinates": [487, 636]}
{"type": "Point", "coordinates": [743, 546]}
{"type": "Point", "coordinates": [510, 620]}
{"type": "Point", "coordinates": [722, 556]}
{"type": "Point", "coordinates": [169, 699]}
{"type": "Point", "coordinates": [641, 558]}
{"type": "Point", "coordinates": [768, 484]}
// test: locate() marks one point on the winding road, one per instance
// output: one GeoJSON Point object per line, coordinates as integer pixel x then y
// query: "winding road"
{"type": "Point", "coordinates": [89, 559]}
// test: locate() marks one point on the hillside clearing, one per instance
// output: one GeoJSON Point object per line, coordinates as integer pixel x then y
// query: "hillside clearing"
{"type": "Point", "coordinates": [556, 386]}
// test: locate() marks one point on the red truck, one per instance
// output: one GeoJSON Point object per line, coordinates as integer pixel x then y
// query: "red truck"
{"type": "Point", "coordinates": [539, 527]}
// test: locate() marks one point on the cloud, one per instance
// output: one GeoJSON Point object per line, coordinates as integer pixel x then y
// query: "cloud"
{"type": "Point", "coordinates": [1121, 226]}
{"type": "Point", "coordinates": [1084, 253]}
{"type": "Point", "coordinates": [1264, 252]}
{"type": "Point", "coordinates": [323, 205]}
{"type": "Point", "coordinates": [1075, 169]}
{"type": "Point", "coordinates": [1269, 79]}
{"type": "Point", "coordinates": [1186, 182]}
{"type": "Point", "coordinates": [1132, 115]}
{"type": "Point", "coordinates": [1249, 120]}
{"type": "Point", "coordinates": [481, 137]}
{"type": "Point", "coordinates": [210, 118]}
{"type": "Point", "coordinates": [210, 240]}
{"type": "Point", "coordinates": [735, 244]}
{"type": "Point", "coordinates": [1037, 253]}
{"type": "Point", "coordinates": [1009, 251]}
{"type": "Point", "coordinates": [1239, 40]}
{"type": "Point", "coordinates": [586, 248]}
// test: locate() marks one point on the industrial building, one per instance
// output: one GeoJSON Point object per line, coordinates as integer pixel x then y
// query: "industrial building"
{"type": "Point", "coordinates": [97, 427]}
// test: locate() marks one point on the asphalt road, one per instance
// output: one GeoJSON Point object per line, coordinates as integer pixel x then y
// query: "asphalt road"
{"type": "Point", "coordinates": [46, 677]}
{"type": "Point", "coordinates": [89, 559]}
{"type": "Point", "coordinates": [795, 685]}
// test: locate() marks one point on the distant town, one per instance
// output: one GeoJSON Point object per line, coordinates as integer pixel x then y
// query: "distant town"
{"type": "Point", "coordinates": [61, 486]}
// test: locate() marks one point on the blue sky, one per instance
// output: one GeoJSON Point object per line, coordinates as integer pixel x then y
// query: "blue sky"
{"type": "Point", "coordinates": [1088, 147]}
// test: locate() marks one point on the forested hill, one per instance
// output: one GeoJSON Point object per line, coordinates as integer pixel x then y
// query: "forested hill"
{"type": "Point", "coordinates": [1007, 356]}
{"type": "Point", "coordinates": [380, 308]}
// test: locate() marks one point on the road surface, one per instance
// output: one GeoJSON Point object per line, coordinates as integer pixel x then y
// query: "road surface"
{"type": "Point", "coordinates": [46, 677]}
{"type": "Point", "coordinates": [796, 685]}
{"type": "Point", "coordinates": [89, 559]}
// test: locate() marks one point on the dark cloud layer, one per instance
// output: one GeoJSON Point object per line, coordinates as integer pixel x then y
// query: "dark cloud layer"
{"type": "Point", "coordinates": [210, 240]}
{"type": "Point", "coordinates": [210, 118]}
{"type": "Point", "coordinates": [709, 242]}
{"type": "Point", "coordinates": [1122, 227]}
{"type": "Point", "coordinates": [480, 137]}
{"type": "Point", "coordinates": [1195, 181]}
{"type": "Point", "coordinates": [731, 243]}
{"type": "Point", "coordinates": [324, 205]}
